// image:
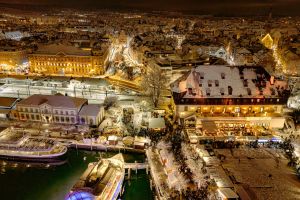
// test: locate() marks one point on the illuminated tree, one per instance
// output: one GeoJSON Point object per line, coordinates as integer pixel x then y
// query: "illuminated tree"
{"type": "Point", "coordinates": [153, 83]}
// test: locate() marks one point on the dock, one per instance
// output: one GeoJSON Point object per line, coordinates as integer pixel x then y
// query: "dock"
{"type": "Point", "coordinates": [135, 166]}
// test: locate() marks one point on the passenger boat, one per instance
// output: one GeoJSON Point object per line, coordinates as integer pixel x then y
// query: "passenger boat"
{"type": "Point", "coordinates": [101, 181]}
{"type": "Point", "coordinates": [17, 146]}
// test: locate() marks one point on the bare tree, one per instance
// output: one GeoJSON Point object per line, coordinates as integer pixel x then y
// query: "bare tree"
{"type": "Point", "coordinates": [153, 83]}
{"type": "Point", "coordinates": [110, 101]}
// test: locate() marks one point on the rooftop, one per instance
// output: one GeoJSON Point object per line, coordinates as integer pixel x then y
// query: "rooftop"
{"type": "Point", "coordinates": [53, 100]}
{"type": "Point", "coordinates": [221, 81]}
{"type": "Point", "coordinates": [157, 123]}
{"type": "Point", "coordinates": [7, 102]}
{"type": "Point", "coordinates": [90, 110]}
{"type": "Point", "coordinates": [54, 49]}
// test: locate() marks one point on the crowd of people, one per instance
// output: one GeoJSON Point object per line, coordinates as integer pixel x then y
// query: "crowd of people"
{"type": "Point", "coordinates": [192, 192]}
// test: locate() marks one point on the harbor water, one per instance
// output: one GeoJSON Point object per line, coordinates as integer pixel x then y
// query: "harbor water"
{"type": "Point", "coordinates": [33, 181]}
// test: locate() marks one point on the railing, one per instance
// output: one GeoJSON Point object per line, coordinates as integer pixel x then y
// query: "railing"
{"type": "Point", "coordinates": [136, 166]}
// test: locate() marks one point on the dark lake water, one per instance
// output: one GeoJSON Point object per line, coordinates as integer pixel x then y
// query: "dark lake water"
{"type": "Point", "coordinates": [28, 181]}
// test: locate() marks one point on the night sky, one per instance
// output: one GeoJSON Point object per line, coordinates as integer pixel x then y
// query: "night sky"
{"type": "Point", "coordinates": [284, 7]}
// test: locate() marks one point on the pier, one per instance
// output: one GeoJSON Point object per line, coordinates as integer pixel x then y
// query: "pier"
{"type": "Point", "coordinates": [135, 166]}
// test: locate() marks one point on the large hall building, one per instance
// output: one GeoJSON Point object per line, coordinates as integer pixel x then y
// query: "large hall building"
{"type": "Point", "coordinates": [60, 59]}
{"type": "Point", "coordinates": [58, 109]}
{"type": "Point", "coordinates": [229, 97]}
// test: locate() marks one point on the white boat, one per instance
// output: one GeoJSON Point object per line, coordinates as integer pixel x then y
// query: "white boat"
{"type": "Point", "coordinates": [100, 181]}
{"type": "Point", "coordinates": [16, 146]}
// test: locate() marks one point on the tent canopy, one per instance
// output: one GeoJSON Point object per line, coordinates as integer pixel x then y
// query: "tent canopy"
{"type": "Point", "coordinates": [157, 123]}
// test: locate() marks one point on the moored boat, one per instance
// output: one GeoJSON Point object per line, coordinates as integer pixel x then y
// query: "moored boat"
{"type": "Point", "coordinates": [17, 146]}
{"type": "Point", "coordinates": [101, 181]}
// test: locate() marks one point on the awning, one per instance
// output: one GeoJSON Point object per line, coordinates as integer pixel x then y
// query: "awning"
{"type": "Point", "coordinates": [157, 123]}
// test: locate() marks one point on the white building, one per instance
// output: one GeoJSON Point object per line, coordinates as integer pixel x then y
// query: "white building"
{"type": "Point", "coordinates": [91, 114]}
{"type": "Point", "coordinates": [58, 109]}
{"type": "Point", "coordinates": [230, 94]}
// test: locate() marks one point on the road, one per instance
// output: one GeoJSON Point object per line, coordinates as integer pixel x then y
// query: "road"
{"type": "Point", "coordinates": [124, 84]}
{"type": "Point", "coordinates": [93, 92]}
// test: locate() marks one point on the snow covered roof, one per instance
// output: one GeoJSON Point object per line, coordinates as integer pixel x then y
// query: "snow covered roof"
{"type": "Point", "coordinates": [157, 123]}
{"type": "Point", "coordinates": [54, 49]}
{"type": "Point", "coordinates": [221, 81]}
{"type": "Point", "coordinates": [112, 138]}
{"type": "Point", "coordinates": [90, 110]}
{"type": "Point", "coordinates": [53, 100]}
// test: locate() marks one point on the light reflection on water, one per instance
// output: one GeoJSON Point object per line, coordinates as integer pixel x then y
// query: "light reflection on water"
{"type": "Point", "coordinates": [7, 164]}
{"type": "Point", "coordinates": [52, 181]}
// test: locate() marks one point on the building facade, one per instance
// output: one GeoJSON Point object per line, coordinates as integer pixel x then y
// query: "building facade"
{"type": "Point", "coordinates": [54, 109]}
{"type": "Point", "coordinates": [91, 114]}
{"type": "Point", "coordinates": [230, 95]}
{"type": "Point", "coordinates": [66, 60]}
{"type": "Point", "coordinates": [10, 58]}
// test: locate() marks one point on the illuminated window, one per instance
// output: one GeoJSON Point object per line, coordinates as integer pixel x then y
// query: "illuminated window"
{"type": "Point", "coordinates": [185, 108]}
{"type": "Point", "coordinates": [237, 109]}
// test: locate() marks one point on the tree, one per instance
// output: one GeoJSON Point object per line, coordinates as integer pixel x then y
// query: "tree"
{"type": "Point", "coordinates": [110, 101]}
{"type": "Point", "coordinates": [153, 83]}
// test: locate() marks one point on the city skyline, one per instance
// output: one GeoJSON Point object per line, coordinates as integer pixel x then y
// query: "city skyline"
{"type": "Point", "coordinates": [136, 99]}
{"type": "Point", "coordinates": [227, 7]}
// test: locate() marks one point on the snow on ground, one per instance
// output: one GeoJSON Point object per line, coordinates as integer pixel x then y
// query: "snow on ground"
{"type": "Point", "coordinates": [266, 174]}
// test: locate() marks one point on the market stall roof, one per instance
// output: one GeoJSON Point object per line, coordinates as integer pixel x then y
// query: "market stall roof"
{"type": "Point", "coordinates": [137, 143]}
{"type": "Point", "coordinates": [157, 123]}
{"type": "Point", "coordinates": [141, 140]}
{"type": "Point", "coordinates": [101, 139]}
{"type": "Point", "coordinates": [106, 122]}
{"type": "Point", "coordinates": [112, 138]}
{"type": "Point", "coordinates": [128, 138]}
